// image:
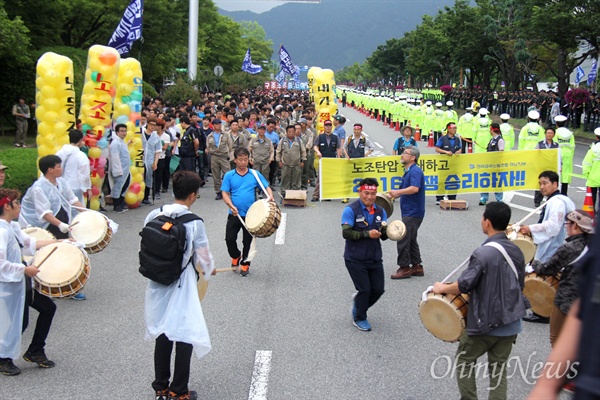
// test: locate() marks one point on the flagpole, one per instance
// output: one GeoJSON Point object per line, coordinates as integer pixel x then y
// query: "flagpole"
{"type": "Point", "coordinates": [193, 40]}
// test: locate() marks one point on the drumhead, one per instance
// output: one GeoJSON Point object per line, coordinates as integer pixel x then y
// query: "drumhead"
{"type": "Point", "coordinates": [91, 228]}
{"type": "Point", "coordinates": [441, 318]}
{"type": "Point", "coordinates": [202, 287]}
{"type": "Point", "coordinates": [384, 202]}
{"type": "Point", "coordinates": [38, 234]}
{"type": "Point", "coordinates": [396, 230]}
{"type": "Point", "coordinates": [540, 290]}
{"type": "Point", "coordinates": [257, 214]}
{"type": "Point", "coordinates": [65, 263]}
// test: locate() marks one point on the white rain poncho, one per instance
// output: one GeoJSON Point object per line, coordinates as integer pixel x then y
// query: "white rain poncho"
{"type": "Point", "coordinates": [119, 165]}
{"type": "Point", "coordinates": [42, 198]}
{"type": "Point", "coordinates": [175, 310]}
{"type": "Point", "coordinates": [152, 146]}
{"type": "Point", "coordinates": [76, 168]}
{"type": "Point", "coordinates": [12, 286]}
{"type": "Point", "coordinates": [550, 234]}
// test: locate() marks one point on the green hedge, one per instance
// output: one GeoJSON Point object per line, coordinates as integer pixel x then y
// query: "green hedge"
{"type": "Point", "coordinates": [22, 166]}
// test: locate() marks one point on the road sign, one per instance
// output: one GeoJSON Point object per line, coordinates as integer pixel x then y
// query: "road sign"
{"type": "Point", "coordinates": [218, 70]}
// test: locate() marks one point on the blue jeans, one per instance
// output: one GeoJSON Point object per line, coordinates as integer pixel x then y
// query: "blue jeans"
{"type": "Point", "coordinates": [485, 196]}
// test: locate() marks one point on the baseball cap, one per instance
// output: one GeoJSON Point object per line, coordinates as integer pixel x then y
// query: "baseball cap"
{"type": "Point", "coordinates": [327, 122]}
{"type": "Point", "coordinates": [2, 167]}
{"type": "Point", "coordinates": [216, 121]}
{"type": "Point", "coordinates": [302, 121]}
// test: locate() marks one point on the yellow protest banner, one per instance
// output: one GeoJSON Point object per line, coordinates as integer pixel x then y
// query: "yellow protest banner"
{"type": "Point", "coordinates": [464, 173]}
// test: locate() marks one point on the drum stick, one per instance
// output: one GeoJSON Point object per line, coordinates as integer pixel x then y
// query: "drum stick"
{"type": "Point", "coordinates": [456, 269]}
{"type": "Point", "coordinates": [45, 258]}
{"type": "Point", "coordinates": [74, 223]}
{"type": "Point", "coordinates": [227, 269]}
{"type": "Point", "coordinates": [530, 214]}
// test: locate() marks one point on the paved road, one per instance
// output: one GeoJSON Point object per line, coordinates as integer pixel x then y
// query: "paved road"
{"type": "Point", "coordinates": [295, 305]}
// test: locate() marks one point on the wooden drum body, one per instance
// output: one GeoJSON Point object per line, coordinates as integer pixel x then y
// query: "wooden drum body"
{"type": "Point", "coordinates": [91, 229]}
{"type": "Point", "coordinates": [384, 202]}
{"type": "Point", "coordinates": [263, 218]}
{"type": "Point", "coordinates": [396, 230]}
{"type": "Point", "coordinates": [445, 315]}
{"type": "Point", "coordinates": [38, 234]}
{"type": "Point", "coordinates": [523, 242]}
{"type": "Point", "coordinates": [540, 291]}
{"type": "Point", "coordinates": [64, 270]}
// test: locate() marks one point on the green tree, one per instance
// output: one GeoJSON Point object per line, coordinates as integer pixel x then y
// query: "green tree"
{"type": "Point", "coordinates": [388, 61]}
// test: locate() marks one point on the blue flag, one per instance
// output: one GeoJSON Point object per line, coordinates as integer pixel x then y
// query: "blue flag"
{"type": "Point", "coordinates": [129, 29]}
{"type": "Point", "coordinates": [286, 62]}
{"type": "Point", "coordinates": [247, 65]}
{"type": "Point", "coordinates": [280, 77]}
{"type": "Point", "coordinates": [579, 75]}
{"type": "Point", "coordinates": [593, 72]}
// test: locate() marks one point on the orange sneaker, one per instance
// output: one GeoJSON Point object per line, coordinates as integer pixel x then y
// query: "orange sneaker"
{"type": "Point", "coordinates": [235, 262]}
{"type": "Point", "coordinates": [245, 270]}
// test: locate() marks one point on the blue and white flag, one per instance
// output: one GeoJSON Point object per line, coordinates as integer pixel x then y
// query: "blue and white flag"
{"type": "Point", "coordinates": [593, 73]}
{"type": "Point", "coordinates": [247, 65]}
{"type": "Point", "coordinates": [296, 76]}
{"type": "Point", "coordinates": [286, 62]}
{"type": "Point", "coordinates": [129, 29]}
{"type": "Point", "coordinates": [579, 75]}
{"type": "Point", "coordinates": [280, 77]}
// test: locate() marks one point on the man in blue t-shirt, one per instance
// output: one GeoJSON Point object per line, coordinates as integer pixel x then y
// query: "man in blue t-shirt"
{"type": "Point", "coordinates": [448, 144]}
{"type": "Point", "coordinates": [413, 212]}
{"type": "Point", "coordinates": [338, 130]}
{"type": "Point", "coordinates": [238, 190]}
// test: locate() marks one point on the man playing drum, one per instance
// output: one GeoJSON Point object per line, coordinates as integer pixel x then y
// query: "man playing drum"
{"type": "Point", "coordinates": [412, 205]}
{"type": "Point", "coordinates": [494, 281]}
{"type": "Point", "coordinates": [549, 233]}
{"type": "Point", "coordinates": [238, 189]}
{"type": "Point", "coordinates": [17, 295]}
{"type": "Point", "coordinates": [362, 227]}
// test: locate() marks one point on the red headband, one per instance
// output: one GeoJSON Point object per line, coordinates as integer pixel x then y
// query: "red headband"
{"type": "Point", "coordinates": [5, 200]}
{"type": "Point", "coordinates": [495, 130]}
{"type": "Point", "coordinates": [367, 187]}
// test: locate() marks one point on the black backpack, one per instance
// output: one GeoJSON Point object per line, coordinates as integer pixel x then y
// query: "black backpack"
{"type": "Point", "coordinates": [163, 246]}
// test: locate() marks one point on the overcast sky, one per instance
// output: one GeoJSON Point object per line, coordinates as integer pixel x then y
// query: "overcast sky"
{"type": "Point", "coordinates": [257, 6]}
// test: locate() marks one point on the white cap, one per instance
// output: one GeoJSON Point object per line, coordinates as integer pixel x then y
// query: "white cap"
{"type": "Point", "coordinates": [438, 104]}
{"type": "Point", "coordinates": [533, 114]}
{"type": "Point", "coordinates": [449, 103]}
{"type": "Point", "coordinates": [505, 116]}
{"type": "Point", "coordinates": [428, 103]}
{"type": "Point", "coordinates": [483, 111]}
{"type": "Point", "coordinates": [597, 131]}
{"type": "Point", "coordinates": [560, 118]}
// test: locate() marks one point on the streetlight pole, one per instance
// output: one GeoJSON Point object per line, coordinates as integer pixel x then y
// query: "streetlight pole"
{"type": "Point", "coordinates": [193, 40]}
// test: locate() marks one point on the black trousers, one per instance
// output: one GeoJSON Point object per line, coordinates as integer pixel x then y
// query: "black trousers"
{"type": "Point", "coordinates": [46, 309]}
{"type": "Point", "coordinates": [231, 233]}
{"type": "Point", "coordinates": [163, 348]}
{"type": "Point", "coordinates": [62, 216]}
{"type": "Point", "coordinates": [159, 178]}
{"type": "Point", "coordinates": [187, 163]}
{"type": "Point", "coordinates": [538, 197]}
{"type": "Point", "coordinates": [450, 197]}
{"type": "Point", "coordinates": [408, 248]}
{"type": "Point", "coordinates": [369, 281]}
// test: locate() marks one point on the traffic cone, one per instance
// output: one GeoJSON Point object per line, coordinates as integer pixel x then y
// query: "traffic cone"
{"type": "Point", "coordinates": [470, 148]}
{"type": "Point", "coordinates": [588, 203]}
{"type": "Point", "coordinates": [393, 124]}
{"type": "Point", "coordinates": [384, 120]}
{"type": "Point", "coordinates": [418, 134]}
{"type": "Point", "coordinates": [397, 127]}
{"type": "Point", "coordinates": [378, 117]}
{"type": "Point", "coordinates": [430, 142]}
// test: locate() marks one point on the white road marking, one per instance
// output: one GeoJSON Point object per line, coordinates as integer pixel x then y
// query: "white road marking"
{"type": "Point", "coordinates": [260, 375]}
{"type": "Point", "coordinates": [529, 196]}
{"type": "Point", "coordinates": [578, 166]}
{"type": "Point", "coordinates": [378, 145]}
{"type": "Point", "coordinates": [280, 237]}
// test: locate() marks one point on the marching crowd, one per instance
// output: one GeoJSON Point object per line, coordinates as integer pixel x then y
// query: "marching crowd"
{"type": "Point", "coordinates": [276, 135]}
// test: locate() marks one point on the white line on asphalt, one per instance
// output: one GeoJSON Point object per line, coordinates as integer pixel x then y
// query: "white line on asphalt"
{"type": "Point", "coordinates": [378, 145]}
{"type": "Point", "coordinates": [529, 196]}
{"type": "Point", "coordinates": [280, 237]}
{"type": "Point", "coordinates": [260, 375]}
{"type": "Point", "coordinates": [577, 165]}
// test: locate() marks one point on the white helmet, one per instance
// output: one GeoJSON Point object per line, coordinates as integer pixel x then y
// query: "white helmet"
{"type": "Point", "coordinates": [533, 115]}
{"type": "Point", "coordinates": [505, 117]}
{"type": "Point", "coordinates": [483, 111]}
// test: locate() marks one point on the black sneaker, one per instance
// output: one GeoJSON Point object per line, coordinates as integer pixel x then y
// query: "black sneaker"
{"type": "Point", "coordinates": [147, 202]}
{"type": "Point", "coordinates": [219, 196]}
{"type": "Point", "coordinates": [8, 368]}
{"type": "Point", "coordinates": [40, 359]}
{"type": "Point", "coordinates": [162, 394]}
{"type": "Point", "coordinates": [245, 270]}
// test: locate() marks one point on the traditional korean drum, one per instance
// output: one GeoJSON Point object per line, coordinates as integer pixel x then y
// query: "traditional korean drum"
{"type": "Point", "coordinates": [263, 218]}
{"type": "Point", "coordinates": [91, 228]}
{"type": "Point", "coordinates": [523, 242]}
{"type": "Point", "coordinates": [64, 270]}
{"type": "Point", "coordinates": [445, 315]}
{"type": "Point", "coordinates": [540, 291]}
{"type": "Point", "coordinates": [38, 234]}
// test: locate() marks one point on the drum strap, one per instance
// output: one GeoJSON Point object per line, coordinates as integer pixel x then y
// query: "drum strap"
{"type": "Point", "coordinates": [259, 182]}
{"type": "Point", "coordinates": [505, 254]}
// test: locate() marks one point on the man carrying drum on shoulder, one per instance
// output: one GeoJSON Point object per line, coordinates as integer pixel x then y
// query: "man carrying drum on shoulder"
{"type": "Point", "coordinates": [238, 189]}
{"type": "Point", "coordinates": [549, 233]}
{"type": "Point", "coordinates": [363, 224]}
{"type": "Point", "coordinates": [494, 281]}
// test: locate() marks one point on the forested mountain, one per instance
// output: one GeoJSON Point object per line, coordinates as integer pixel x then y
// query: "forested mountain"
{"type": "Point", "coordinates": [337, 33]}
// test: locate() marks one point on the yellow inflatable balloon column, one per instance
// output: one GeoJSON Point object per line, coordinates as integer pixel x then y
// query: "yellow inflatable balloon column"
{"type": "Point", "coordinates": [324, 97]}
{"type": "Point", "coordinates": [127, 110]}
{"type": "Point", "coordinates": [310, 76]}
{"type": "Point", "coordinates": [99, 90]}
{"type": "Point", "coordinates": [55, 102]}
